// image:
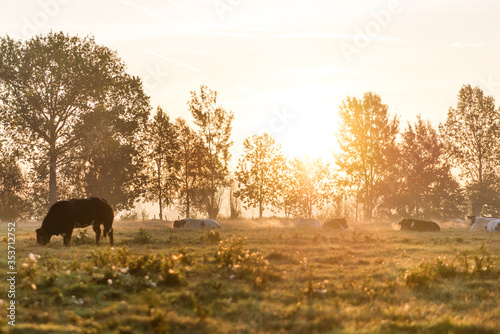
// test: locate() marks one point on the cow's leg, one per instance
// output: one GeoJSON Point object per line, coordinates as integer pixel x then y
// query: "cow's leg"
{"type": "Point", "coordinates": [110, 233]}
{"type": "Point", "coordinates": [97, 230]}
{"type": "Point", "coordinates": [67, 237]}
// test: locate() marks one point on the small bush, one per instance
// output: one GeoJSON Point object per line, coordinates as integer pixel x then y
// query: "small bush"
{"type": "Point", "coordinates": [211, 237]}
{"type": "Point", "coordinates": [143, 237]}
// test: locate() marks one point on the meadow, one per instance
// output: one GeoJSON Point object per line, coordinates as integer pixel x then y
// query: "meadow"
{"type": "Point", "coordinates": [256, 276]}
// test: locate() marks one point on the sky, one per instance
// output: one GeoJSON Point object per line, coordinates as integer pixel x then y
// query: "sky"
{"type": "Point", "coordinates": [286, 66]}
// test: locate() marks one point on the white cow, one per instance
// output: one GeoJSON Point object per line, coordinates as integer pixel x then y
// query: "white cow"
{"type": "Point", "coordinates": [308, 222]}
{"type": "Point", "coordinates": [196, 223]}
{"type": "Point", "coordinates": [479, 223]}
{"type": "Point", "coordinates": [493, 226]}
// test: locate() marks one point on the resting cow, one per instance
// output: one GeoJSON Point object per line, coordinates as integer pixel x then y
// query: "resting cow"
{"type": "Point", "coordinates": [196, 223]}
{"type": "Point", "coordinates": [479, 223]}
{"type": "Point", "coordinates": [64, 216]}
{"type": "Point", "coordinates": [336, 224]}
{"type": "Point", "coordinates": [308, 222]}
{"type": "Point", "coordinates": [419, 225]}
{"type": "Point", "coordinates": [493, 226]}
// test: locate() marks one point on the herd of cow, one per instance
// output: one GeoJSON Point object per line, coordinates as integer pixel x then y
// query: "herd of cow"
{"type": "Point", "coordinates": [64, 216]}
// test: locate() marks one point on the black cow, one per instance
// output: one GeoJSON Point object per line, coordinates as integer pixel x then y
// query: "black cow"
{"type": "Point", "coordinates": [336, 224]}
{"type": "Point", "coordinates": [64, 216]}
{"type": "Point", "coordinates": [419, 225]}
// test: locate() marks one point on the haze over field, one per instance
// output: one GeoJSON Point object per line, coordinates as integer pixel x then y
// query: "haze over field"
{"type": "Point", "coordinates": [286, 66]}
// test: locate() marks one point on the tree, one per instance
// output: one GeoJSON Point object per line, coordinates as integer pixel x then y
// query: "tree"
{"type": "Point", "coordinates": [214, 128]}
{"type": "Point", "coordinates": [48, 84]}
{"type": "Point", "coordinates": [164, 148]}
{"type": "Point", "coordinates": [191, 157]}
{"type": "Point", "coordinates": [310, 184]}
{"type": "Point", "coordinates": [472, 133]}
{"type": "Point", "coordinates": [258, 172]}
{"type": "Point", "coordinates": [423, 186]}
{"type": "Point", "coordinates": [12, 184]}
{"type": "Point", "coordinates": [367, 139]}
{"type": "Point", "coordinates": [286, 196]}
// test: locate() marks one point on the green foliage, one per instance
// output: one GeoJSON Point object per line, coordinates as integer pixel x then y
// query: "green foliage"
{"type": "Point", "coordinates": [422, 184]}
{"type": "Point", "coordinates": [75, 114]}
{"type": "Point", "coordinates": [367, 139]}
{"type": "Point", "coordinates": [242, 262]}
{"type": "Point", "coordinates": [211, 236]}
{"type": "Point", "coordinates": [214, 128]}
{"type": "Point", "coordinates": [142, 237]}
{"type": "Point", "coordinates": [471, 133]}
{"type": "Point", "coordinates": [163, 147]}
{"type": "Point", "coordinates": [442, 268]}
{"type": "Point", "coordinates": [310, 184]}
{"type": "Point", "coordinates": [13, 185]}
{"type": "Point", "coordinates": [259, 172]}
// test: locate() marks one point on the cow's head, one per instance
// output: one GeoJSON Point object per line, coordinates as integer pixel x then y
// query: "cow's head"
{"type": "Point", "coordinates": [179, 223]}
{"type": "Point", "coordinates": [41, 237]}
{"type": "Point", "coordinates": [472, 219]}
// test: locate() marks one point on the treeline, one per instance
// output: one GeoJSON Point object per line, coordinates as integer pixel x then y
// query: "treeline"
{"type": "Point", "coordinates": [74, 123]}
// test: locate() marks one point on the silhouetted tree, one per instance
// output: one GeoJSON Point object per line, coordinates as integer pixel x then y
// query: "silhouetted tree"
{"type": "Point", "coordinates": [13, 186]}
{"type": "Point", "coordinates": [163, 150]}
{"type": "Point", "coordinates": [258, 172]}
{"type": "Point", "coordinates": [423, 186]}
{"type": "Point", "coordinates": [191, 157]}
{"type": "Point", "coordinates": [367, 139]}
{"type": "Point", "coordinates": [50, 84]}
{"type": "Point", "coordinates": [214, 128]}
{"type": "Point", "coordinates": [310, 184]}
{"type": "Point", "coordinates": [472, 133]}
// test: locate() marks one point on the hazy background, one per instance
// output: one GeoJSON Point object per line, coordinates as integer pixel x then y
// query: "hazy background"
{"type": "Point", "coordinates": [286, 57]}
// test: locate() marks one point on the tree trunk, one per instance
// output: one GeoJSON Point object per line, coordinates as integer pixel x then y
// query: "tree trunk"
{"type": "Point", "coordinates": [160, 192]}
{"type": "Point", "coordinates": [52, 174]}
{"type": "Point", "coordinates": [477, 208]}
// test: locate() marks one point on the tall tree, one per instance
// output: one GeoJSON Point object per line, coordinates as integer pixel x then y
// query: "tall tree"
{"type": "Point", "coordinates": [191, 157]}
{"type": "Point", "coordinates": [258, 172]}
{"type": "Point", "coordinates": [50, 82]}
{"type": "Point", "coordinates": [472, 133]}
{"type": "Point", "coordinates": [12, 184]}
{"type": "Point", "coordinates": [367, 139]}
{"type": "Point", "coordinates": [423, 185]}
{"type": "Point", "coordinates": [286, 195]}
{"type": "Point", "coordinates": [164, 148]}
{"type": "Point", "coordinates": [214, 128]}
{"type": "Point", "coordinates": [310, 184]}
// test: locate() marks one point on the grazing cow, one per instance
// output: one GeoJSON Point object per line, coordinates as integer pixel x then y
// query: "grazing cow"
{"type": "Point", "coordinates": [336, 224]}
{"type": "Point", "coordinates": [419, 225]}
{"type": "Point", "coordinates": [479, 223]}
{"type": "Point", "coordinates": [308, 222]}
{"type": "Point", "coordinates": [196, 223]}
{"type": "Point", "coordinates": [493, 226]}
{"type": "Point", "coordinates": [64, 216]}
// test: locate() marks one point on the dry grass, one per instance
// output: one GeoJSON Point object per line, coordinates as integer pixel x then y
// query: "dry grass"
{"type": "Point", "coordinates": [258, 276]}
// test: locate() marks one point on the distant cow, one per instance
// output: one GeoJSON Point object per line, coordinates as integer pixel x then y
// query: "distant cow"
{"type": "Point", "coordinates": [308, 222]}
{"type": "Point", "coordinates": [64, 216]}
{"type": "Point", "coordinates": [479, 223]}
{"type": "Point", "coordinates": [196, 223]}
{"type": "Point", "coordinates": [336, 224]}
{"type": "Point", "coordinates": [493, 226]}
{"type": "Point", "coordinates": [419, 225]}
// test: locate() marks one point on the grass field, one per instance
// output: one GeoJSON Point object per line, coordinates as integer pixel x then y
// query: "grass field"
{"type": "Point", "coordinates": [256, 277]}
